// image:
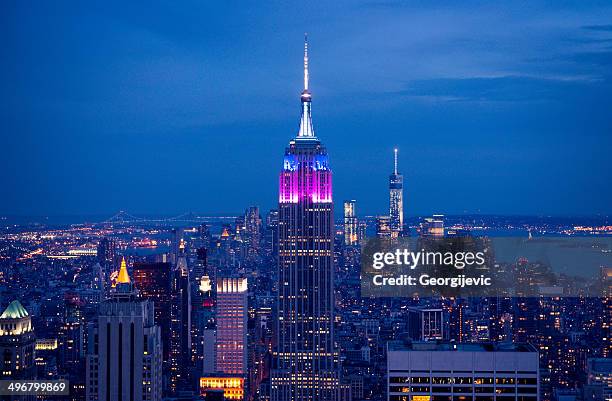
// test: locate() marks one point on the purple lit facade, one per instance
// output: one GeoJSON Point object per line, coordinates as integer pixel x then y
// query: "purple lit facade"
{"type": "Point", "coordinates": [306, 177]}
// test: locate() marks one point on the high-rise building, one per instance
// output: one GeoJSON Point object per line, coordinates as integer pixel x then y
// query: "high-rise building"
{"type": "Point", "coordinates": [396, 199]}
{"type": "Point", "coordinates": [153, 281]}
{"type": "Point", "coordinates": [180, 324]}
{"type": "Point", "coordinates": [231, 341]}
{"type": "Point", "coordinates": [271, 234]}
{"type": "Point", "coordinates": [599, 374]}
{"type": "Point", "coordinates": [71, 336]}
{"type": "Point", "coordinates": [305, 355]}
{"type": "Point", "coordinates": [450, 371]}
{"type": "Point", "coordinates": [231, 326]}
{"type": "Point", "coordinates": [252, 231]}
{"type": "Point", "coordinates": [433, 226]}
{"type": "Point", "coordinates": [124, 360]}
{"type": "Point", "coordinates": [351, 236]}
{"type": "Point", "coordinates": [107, 253]}
{"type": "Point", "coordinates": [383, 227]}
{"type": "Point", "coordinates": [17, 343]}
{"type": "Point", "coordinates": [200, 292]}
{"type": "Point", "coordinates": [426, 324]}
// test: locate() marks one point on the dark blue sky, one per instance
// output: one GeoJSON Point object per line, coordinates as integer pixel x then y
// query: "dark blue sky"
{"type": "Point", "coordinates": [167, 107]}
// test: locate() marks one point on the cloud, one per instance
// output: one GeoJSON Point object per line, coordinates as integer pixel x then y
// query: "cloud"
{"type": "Point", "coordinates": [490, 89]}
{"type": "Point", "coordinates": [604, 28]}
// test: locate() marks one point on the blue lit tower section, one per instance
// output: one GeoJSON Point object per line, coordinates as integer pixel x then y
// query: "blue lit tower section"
{"type": "Point", "coordinates": [305, 365]}
{"type": "Point", "coordinates": [396, 199]}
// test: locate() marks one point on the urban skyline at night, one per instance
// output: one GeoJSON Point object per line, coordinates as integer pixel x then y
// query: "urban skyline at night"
{"type": "Point", "coordinates": [436, 227]}
{"type": "Point", "coordinates": [118, 106]}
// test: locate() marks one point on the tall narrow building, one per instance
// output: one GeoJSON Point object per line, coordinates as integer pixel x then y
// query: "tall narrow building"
{"type": "Point", "coordinates": [396, 199]}
{"type": "Point", "coordinates": [124, 361]}
{"type": "Point", "coordinates": [230, 352]}
{"type": "Point", "coordinates": [232, 317]}
{"type": "Point", "coordinates": [351, 236]}
{"type": "Point", "coordinates": [305, 365]}
{"type": "Point", "coordinates": [180, 325]}
{"type": "Point", "coordinates": [154, 282]}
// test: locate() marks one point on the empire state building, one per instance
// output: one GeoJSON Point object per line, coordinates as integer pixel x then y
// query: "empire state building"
{"type": "Point", "coordinates": [305, 360]}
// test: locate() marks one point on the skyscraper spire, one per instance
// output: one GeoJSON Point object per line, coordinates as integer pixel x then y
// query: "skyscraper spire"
{"type": "Point", "coordinates": [124, 277]}
{"type": "Point", "coordinates": [395, 161]}
{"type": "Point", "coordinates": [306, 130]}
{"type": "Point", "coordinates": [305, 62]}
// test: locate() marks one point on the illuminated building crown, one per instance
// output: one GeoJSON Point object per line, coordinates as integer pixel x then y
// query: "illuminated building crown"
{"type": "Point", "coordinates": [306, 175]}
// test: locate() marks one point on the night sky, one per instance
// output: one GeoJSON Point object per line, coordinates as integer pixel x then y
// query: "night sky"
{"type": "Point", "coordinates": [167, 107]}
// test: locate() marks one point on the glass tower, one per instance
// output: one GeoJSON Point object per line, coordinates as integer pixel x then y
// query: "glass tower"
{"type": "Point", "coordinates": [396, 199]}
{"type": "Point", "coordinates": [351, 236]}
{"type": "Point", "coordinates": [305, 358]}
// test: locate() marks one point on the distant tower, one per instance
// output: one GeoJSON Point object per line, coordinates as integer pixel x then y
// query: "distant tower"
{"type": "Point", "coordinates": [383, 227]}
{"type": "Point", "coordinates": [271, 233]}
{"type": "Point", "coordinates": [124, 360]}
{"type": "Point", "coordinates": [252, 232]}
{"type": "Point", "coordinates": [396, 199]}
{"type": "Point", "coordinates": [107, 253]}
{"type": "Point", "coordinates": [351, 236]}
{"type": "Point", "coordinates": [306, 366]}
{"type": "Point", "coordinates": [433, 226]}
{"type": "Point", "coordinates": [16, 343]}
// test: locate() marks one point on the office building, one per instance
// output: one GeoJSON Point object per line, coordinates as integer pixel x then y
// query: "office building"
{"type": "Point", "coordinates": [383, 227]}
{"type": "Point", "coordinates": [433, 227]}
{"type": "Point", "coordinates": [180, 324]}
{"type": "Point", "coordinates": [231, 326]}
{"type": "Point", "coordinates": [153, 283]}
{"type": "Point", "coordinates": [231, 341]}
{"type": "Point", "coordinates": [17, 343]}
{"type": "Point", "coordinates": [124, 361]}
{"type": "Point", "coordinates": [599, 377]}
{"type": "Point", "coordinates": [305, 358]}
{"type": "Point", "coordinates": [427, 324]}
{"type": "Point", "coordinates": [351, 236]}
{"type": "Point", "coordinates": [429, 371]}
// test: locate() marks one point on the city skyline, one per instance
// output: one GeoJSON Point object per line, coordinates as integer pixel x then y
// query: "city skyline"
{"type": "Point", "coordinates": [109, 109]}
{"type": "Point", "coordinates": [440, 233]}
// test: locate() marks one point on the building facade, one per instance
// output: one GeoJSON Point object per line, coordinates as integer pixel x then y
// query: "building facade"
{"type": "Point", "coordinates": [351, 235]}
{"type": "Point", "coordinates": [305, 356]}
{"type": "Point", "coordinates": [124, 361]}
{"type": "Point", "coordinates": [17, 343]}
{"type": "Point", "coordinates": [232, 308]}
{"type": "Point", "coordinates": [180, 325]}
{"type": "Point", "coordinates": [153, 281]}
{"type": "Point", "coordinates": [229, 372]}
{"type": "Point", "coordinates": [461, 372]}
{"type": "Point", "coordinates": [427, 324]}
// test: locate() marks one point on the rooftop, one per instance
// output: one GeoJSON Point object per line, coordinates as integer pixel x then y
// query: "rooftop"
{"type": "Point", "coordinates": [460, 347]}
{"type": "Point", "coordinates": [14, 311]}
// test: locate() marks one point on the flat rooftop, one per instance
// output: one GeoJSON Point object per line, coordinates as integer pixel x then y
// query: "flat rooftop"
{"type": "Point", "coordinates": [459, 347]}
